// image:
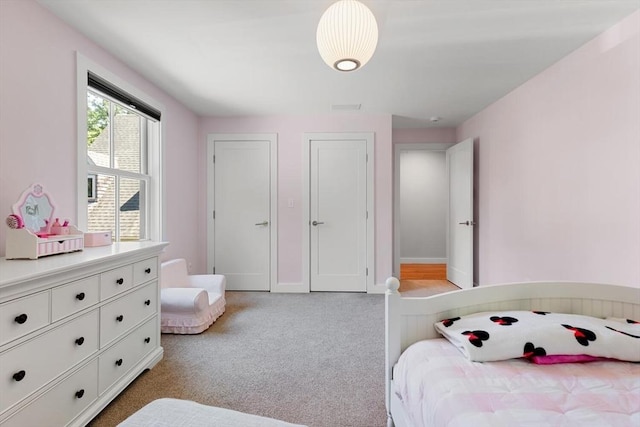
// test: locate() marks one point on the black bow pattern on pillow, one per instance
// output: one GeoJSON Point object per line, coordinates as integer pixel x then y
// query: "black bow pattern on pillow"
{"type": "Point", "coordinates": [449, 322]}
{"type": "Point", "coordinates": [503, 320]}
{"type": "Point", "coordinates": [531, 350]}
{"type": "Point", "coordinates": [583, 336]}
{"type": "Point", "coordinates": [476, 337]}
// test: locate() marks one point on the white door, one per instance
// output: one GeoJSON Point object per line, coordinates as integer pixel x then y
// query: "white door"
{"type": "Point", "coordinates": [460, 217]}
{"type": "Point", "coordinates": [241, 244]}
{"type": "Point", "coordinates": [338, 215]}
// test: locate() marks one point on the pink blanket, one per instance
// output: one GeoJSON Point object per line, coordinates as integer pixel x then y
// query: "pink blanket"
{"type": "Point", "coordinates": [438, 386]}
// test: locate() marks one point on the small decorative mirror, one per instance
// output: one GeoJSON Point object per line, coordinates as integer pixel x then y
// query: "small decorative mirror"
{"type": "Point", "coordinates": [36, 208]}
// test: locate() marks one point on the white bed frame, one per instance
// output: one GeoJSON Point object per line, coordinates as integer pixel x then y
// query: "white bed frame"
{"type": "Point", "coordinates": [408, 320]}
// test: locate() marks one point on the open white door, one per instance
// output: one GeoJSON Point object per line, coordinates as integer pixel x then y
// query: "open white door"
{"type": "Point", "coordinates": [460, 217]}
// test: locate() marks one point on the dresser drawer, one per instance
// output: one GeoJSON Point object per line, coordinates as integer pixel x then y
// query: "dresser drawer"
{"type": "Point", "coordinates": [53, 246]}
{"type": "Point", "coordinates": [144, 271]}
{"type": "Point", "coordinates": [71, 298]}
{"type": "Point", "coordinates": [23, 315]}
{"type": "Point", "coordinates": [113, 282]}
{"type": "Point", "coordinates": [120, 358]}
{"type": "Point", "coordinates": [30, 365]}
{"type": "Point", "coordinates": [118, 317]}
{"type": "Point", "coordinates": [61, 404]}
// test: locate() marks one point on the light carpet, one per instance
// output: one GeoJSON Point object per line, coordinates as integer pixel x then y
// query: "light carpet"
{"type": "Point", "coordinates": [314, 359]}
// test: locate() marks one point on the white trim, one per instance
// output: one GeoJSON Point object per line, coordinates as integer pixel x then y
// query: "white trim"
{"type": "Point", "coordinates": [378, 288]}
{"type": "Point", "coordinates": [210, 235]}
{"type": "Point", "coordinates": [423, 260]}
{"type": "Point", "coordinates": [291, 288]}
{"type": "Point", "coordinates": [371, 209]}
{"type": "Point", "coordinates": [306, 212]}
{"type": "Point", "coordinates": [397, 148]}
{"type": "Point", "coordinates": [273, 168]}
{"type": "Point", "coordinates": [157, 229]}
{"type": "Point", "coordinates": [369, 137]}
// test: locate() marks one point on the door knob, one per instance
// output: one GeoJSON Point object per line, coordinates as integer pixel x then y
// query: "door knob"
{"type": "Point", "coordinates": [314, 223]}
{"type": "Point", "coordinates": [467, 223]}
{"type": "Point", "coordinates": [263, 223]}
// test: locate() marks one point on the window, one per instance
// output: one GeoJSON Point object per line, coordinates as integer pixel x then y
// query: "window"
{"type": "Point", "coordinates": [121, 148]}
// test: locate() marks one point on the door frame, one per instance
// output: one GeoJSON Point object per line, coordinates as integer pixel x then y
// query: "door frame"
{"type": "Point", "coordinates": [307, 137]}
{"type": "Point", "coordinates": [273, 204]}
{"type": "Point", "coordinates": [397, 148]}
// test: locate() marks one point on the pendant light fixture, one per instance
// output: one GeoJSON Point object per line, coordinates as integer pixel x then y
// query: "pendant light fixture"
{"type": "Point", "coordinates": [347, 35]}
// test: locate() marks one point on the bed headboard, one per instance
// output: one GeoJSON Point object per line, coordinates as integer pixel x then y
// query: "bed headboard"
{"type": "Point", "coordinates": [408, 320]}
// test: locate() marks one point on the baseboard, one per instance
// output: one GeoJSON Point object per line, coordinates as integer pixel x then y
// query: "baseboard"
{"type": "Point", "coordinates": [423, 260]}
{"type": "Point", "coordinates": [299, 288]}
{"type": "Point", "coordinates": [290, 288]}
{"type": "Point", "coordinates": [377, 288]}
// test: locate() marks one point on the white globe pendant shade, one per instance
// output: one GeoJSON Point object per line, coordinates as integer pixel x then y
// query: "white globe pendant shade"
{"type": "Point", "coordinates": [347, 35]}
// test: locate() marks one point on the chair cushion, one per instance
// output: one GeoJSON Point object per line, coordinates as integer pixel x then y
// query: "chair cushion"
{"type": "Point", "coordinates": [184, 300]}
{"type": "Point", "coordinates": [208, 282]}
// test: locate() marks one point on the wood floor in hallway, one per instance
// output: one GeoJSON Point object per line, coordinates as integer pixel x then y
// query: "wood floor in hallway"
{"type": "Point", "coordinates": [425, 288]}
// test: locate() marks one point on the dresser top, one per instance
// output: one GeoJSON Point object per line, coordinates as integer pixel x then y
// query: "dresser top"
{"type": "Point", "coordinates": [14, 271]}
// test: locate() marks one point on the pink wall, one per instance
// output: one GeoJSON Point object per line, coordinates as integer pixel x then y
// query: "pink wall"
{"type": "Point", "coordinates": [38, 116]}
{"type": "Point", "coordinates": [558, 179]}
{"type": "Point", "coordinates": [290, 130]}
{"type": "Point", "coordinates": [558, 174]}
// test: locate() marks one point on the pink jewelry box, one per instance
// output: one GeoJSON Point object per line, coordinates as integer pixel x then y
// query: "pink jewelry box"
{"type": "Point", "coordinates": [97, 238]}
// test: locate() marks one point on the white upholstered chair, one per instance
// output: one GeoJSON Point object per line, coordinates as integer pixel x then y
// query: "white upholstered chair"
{"type": "Point", "coordinates": [189, 303]}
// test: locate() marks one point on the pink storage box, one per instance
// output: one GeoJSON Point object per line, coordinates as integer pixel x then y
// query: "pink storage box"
{"type": "Point", "coordinates": [97, 238]}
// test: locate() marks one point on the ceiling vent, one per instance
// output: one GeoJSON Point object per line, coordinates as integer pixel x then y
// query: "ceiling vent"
{"type": "Point", "coordinates": [345, 107]}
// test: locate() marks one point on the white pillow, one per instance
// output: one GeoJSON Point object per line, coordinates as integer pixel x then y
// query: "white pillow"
{"type": "Point", "coordinates": [505, 335]}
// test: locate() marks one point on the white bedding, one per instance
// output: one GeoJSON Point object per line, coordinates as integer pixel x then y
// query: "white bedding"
{"type": "Point", "coordinates": [169, 412]}
{"type": "Point", "coordinates": [438, 386]}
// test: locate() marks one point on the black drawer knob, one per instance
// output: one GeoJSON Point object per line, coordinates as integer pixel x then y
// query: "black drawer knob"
{"type": "Point", "coordinates": [80, 393]}
{"type": "Point", "coordinates": [21, 319]}
{"type": "Point", "coordinates": [120, 281]}
{"type": "Point", "coordinates": [120, 318]}
{"type": "Point", "coordinates": [18, 376]}
{"type": "Point", "coordinates": [147, 270]}
{"type": "Point", "coordinates": [147, 340]}
{"type": "Point", "coordinates": [80, 296]}
{"type": "Point", "coordinates": [80, 341]}
{"type": "Point", "coordinates": [147, 302]}
{"type": "Point", "coordinates": [119, 362]}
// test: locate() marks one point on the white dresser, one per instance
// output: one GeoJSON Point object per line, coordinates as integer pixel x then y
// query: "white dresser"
{"type": "Point", "coordinates": [75, 330]}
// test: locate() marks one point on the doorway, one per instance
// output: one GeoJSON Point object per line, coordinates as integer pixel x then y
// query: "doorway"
{"type": "Point", "coordinates": [338, 212]}
{"type": "Point", "coordinates": [242, 217]}
{"type": "Point", "coordinates": [422, 205]}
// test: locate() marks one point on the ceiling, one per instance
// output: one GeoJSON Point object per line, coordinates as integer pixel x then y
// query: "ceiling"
{"type": "Point", "coordinates": [446, 58]}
